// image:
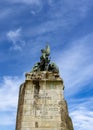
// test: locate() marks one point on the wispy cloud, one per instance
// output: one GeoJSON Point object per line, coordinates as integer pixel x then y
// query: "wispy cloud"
{"type": "Point", "coordinates": [5, 13]}
{"type": "Point", "coordinates": [63, 15]}
{"type": "Point", "coordinates": [82, 114]}
{"type": "Point", "coordinates": [9, 92]}
{"type": "Point", "coordinates": [9, 88]}
{"type": "Point", "coordinates": [34, 2]}
{"type": "Point", "coordinates": [16, 38]}
{"type": "Point", "coordinates": [82, 119]}
{"type": "Point", "coordinates": [75, 61]}
{"type": "Point", "coordinates": [76, 65]}
{"type": "Point", "coordinates": [7, 119]}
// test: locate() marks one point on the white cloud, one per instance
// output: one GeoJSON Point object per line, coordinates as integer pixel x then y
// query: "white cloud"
{"type": "Point", "coordinates": [82, 119]}
{"type": "Point", "coordinates": [35, 5]}
{"type": "Point", "coordinates": [62, 15]}
{"type": "Point", "coordinates": [76, 65]}
{"type": "Point", "coordinates": [75, 62]}
{"type": "Point", "coordinates": [14, 35]}
{"type": "Point", "coordinates": [9, 92]}
{"type": "Point", "coordinates": [9, 89]}
{"type": "Point", "coordinates": [33, 12]}
{"type": "Point", "coordinates": [82, 114]}
{"type": "Point", "coordinates": [16, 38]}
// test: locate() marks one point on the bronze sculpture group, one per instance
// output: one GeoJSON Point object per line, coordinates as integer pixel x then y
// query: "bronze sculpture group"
{"type": "Point", "coordinates": [44, 64]}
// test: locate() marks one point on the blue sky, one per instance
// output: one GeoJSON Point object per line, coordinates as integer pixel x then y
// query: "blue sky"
{"type": "Point", "coordinates": [25, 27]}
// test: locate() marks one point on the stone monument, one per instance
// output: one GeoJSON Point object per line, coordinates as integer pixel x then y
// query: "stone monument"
{"type": "Point", "coordinates": [41, 104]}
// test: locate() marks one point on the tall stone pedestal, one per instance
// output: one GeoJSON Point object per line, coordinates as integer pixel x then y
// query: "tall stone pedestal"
{"type": "Point", "coordinates": [41, 103]}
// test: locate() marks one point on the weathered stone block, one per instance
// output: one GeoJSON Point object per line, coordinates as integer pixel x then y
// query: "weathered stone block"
{"type": "Point", "coordinates": [41, 103]}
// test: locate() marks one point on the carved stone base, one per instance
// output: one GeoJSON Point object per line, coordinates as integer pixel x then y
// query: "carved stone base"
{"type": "Point", "coordinates": [41, 103]}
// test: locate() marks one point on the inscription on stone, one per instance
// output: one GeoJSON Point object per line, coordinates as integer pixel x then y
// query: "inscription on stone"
{"type": "Point", "coordinates": [41, 104]}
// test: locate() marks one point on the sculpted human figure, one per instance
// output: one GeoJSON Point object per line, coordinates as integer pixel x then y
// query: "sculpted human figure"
{"type": "Point", "coordinates": [44, 59]}
{"type": "Point", "coordinates": [53, 67]}
{"type": "Point", "coordinates": [36, 67]}
{"type": "Point", "coordinates": [44, 64]}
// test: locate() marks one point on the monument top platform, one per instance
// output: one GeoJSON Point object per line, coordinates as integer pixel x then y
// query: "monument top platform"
{"type": "Point", "coordinates": [43, 75]}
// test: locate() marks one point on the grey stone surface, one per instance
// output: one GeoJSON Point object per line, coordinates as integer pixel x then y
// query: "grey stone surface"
{"type": "Point", "coordinates": [41, 103]}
